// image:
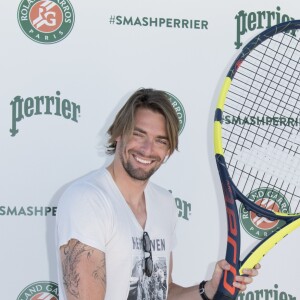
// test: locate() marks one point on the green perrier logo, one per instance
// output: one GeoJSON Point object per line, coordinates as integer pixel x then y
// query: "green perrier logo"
{"type": "Point", "coordinates": [260, 227]}
{"type": "Point", "coordinates": [46, 21]}
{"type": "Point", "coordinates": [179, 110]}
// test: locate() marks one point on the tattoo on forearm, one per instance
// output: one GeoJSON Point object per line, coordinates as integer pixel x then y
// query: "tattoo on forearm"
{"type": "Point", "coordinates": [73, 253]}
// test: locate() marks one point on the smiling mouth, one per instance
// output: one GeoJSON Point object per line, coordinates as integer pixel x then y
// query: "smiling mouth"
{"type": "Point", "coordinates": [142, 161]}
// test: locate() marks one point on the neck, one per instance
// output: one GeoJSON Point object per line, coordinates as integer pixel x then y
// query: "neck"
{"type": "Point", "coordinates": [132, 191]}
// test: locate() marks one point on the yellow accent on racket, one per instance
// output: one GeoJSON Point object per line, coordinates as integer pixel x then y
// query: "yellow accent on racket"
{"type": "Point", "coordinates": [218, 138]}
{"type": "Point", "coordinates": [223, 93]}
{"type": "Point", "coordinates": [260, 252]}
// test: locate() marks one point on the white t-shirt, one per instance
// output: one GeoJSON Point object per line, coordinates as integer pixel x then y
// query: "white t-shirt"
{"type": "Point", "coordinates": [93, 211]}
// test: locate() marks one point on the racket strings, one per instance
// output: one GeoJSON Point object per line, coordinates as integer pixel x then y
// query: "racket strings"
{"type": "Point", "coordinates": [248, 93]}
{"type": "Point", "coordinates": [269, 184]}
{"type": "Point", "coordinates": [283, 69]}
{"type": "Point", "coordinates": [284, 91]}
{"type": "Point", "coordinates": [249, 78]}
{"type": "Point", "coordinates": [291, 75]}
{"type": "Point", "coordinates": [266, 88]}
{"type": "Point", "coordinates": [264, 84]}
{"type": "Point", "coordinates": [267, 94]}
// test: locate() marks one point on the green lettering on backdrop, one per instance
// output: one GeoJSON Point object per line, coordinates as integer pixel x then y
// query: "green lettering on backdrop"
{"type": "Point", "coordinates": [257, 20]}
{"type": "Point", "coordinates": [47, 105]}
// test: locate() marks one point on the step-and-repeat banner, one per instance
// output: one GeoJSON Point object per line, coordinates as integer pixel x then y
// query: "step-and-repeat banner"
{"type": "Point", "coordinates": [67, 66]}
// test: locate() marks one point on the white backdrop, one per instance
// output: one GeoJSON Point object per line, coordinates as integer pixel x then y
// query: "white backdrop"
{"type": "Point", "coordinates": [96, 67]}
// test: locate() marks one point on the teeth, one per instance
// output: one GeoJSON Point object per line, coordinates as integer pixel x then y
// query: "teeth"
{"type": "Point", "coordinates": [147, 162]}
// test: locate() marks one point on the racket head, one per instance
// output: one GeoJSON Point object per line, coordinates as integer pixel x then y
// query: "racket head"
{"type": "Point", "coordinates": [257, 139]}
{"type": "Point", "coordinates": [257, 120]}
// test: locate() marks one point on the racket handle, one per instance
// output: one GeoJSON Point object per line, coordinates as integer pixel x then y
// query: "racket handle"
{"type": "Point", "coordinates": [226, 290]}
{"type": "Point", "coordinates": [221, 296]}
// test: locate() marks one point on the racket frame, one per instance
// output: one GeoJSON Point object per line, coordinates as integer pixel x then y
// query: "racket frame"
{"type": "Point", "coordinates": [232, 194]}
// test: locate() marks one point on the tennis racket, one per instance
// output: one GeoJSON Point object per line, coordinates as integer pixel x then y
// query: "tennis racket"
{"type": "Point", "coordinates": [257, 144]}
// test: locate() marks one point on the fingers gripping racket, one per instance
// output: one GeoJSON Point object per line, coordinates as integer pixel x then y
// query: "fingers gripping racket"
{"type": "Point", "coordinates": [257, 144]}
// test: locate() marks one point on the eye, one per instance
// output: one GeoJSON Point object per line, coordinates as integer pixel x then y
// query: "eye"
{"type": "Point", "coordinates": [163, 142]}
{"type": "Point", "coordinates": [138, 133]}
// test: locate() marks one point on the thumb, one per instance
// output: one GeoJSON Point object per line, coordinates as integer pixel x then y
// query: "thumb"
{"type": "Point", "coordinates": [221, 266]}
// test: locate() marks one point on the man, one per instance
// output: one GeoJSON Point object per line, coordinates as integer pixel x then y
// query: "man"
{"type": "Point", "coordinates": [116, 229]}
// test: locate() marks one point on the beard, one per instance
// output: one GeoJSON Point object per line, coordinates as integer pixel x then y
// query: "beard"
{"type": "Point", "coordinates": [137, 173]}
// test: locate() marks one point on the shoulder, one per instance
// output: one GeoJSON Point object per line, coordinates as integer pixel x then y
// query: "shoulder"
{"type": "Point", "coordinates": [87, 191]}
{"type": "Point", "coordinates": [161, 197]}
{"type": "Point", "coordinates": [158, 190]}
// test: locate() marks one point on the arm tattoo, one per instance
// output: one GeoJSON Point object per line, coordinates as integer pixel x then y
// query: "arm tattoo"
{"type": "Point", "coordinates": [73, 253]}
{"type": "Point", "coordinates": [99, 272]}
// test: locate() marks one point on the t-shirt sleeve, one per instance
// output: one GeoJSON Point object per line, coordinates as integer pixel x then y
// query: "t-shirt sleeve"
{"type": "Point", "coordinates": [84, 214]}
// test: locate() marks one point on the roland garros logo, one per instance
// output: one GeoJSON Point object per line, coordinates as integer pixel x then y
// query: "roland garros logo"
{"type": "Point", "coordinates": [41, 290]}
{"type": "Point", "coordinates": [261, 227]}
{"type": "Point", "coordinates": [45, 21]}
{"type": "Point", "coordinates": [179, 111]}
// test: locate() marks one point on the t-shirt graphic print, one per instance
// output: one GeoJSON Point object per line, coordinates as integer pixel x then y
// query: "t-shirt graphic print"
{"type": "Point", "coordinates": [143, 287]}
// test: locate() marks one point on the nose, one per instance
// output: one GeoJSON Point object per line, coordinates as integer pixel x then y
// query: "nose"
{"type": "Point", "coordinates": [147, 145]}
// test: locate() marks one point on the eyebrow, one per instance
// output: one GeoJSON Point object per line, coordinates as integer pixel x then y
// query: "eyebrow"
{"type": "Point", "coordinates": [143, 131]}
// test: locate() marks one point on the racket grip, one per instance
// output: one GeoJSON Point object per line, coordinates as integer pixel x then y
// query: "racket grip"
{"type": "Point", "coordinates": [225, 289]}
{"type": "Point", "coordinates": [221, 296]}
